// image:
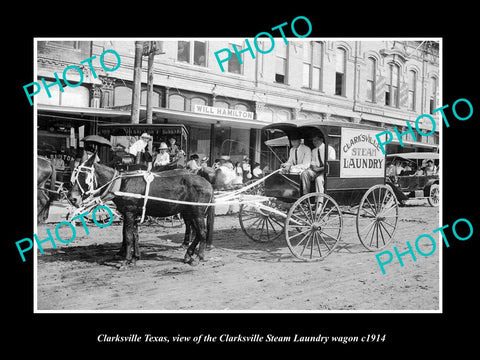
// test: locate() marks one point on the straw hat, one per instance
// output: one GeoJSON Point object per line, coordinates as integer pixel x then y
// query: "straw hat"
{"type": "Point", "coordinates": [163, 146]}
{"type": "Point", "coordinates": [145, 136]}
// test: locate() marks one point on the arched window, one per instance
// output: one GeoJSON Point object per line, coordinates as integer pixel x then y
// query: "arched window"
{"type": "Point", "coordinates": [221, 104]}
{"type": "Point", "coordinates": [197, 101]}
{"type": "Point", "coordinates": [155, 98]}
{"type": "Point", "coordinates": [122, 96]}
{"type": "Point", "coordinates": [340, 58]}
{"type": "Point", "coordinates": [283, 115]}
{"type": "Point", "coordinates": [241, 107]}
{"type": "Point", "coordinates": [412, 89]}
{"type": "Point", "coordinates": [312, 65]}
{"type": "Point", "coordinates": [433, 93]}
{"type": "Point", "coordinates": [78, 96]}
{"type": "Point", "coordinates": [391, 92]}
{"type": "Point", "coordinates": [371, 78]}
{"type": "Point", "coordinates": [176, 102]}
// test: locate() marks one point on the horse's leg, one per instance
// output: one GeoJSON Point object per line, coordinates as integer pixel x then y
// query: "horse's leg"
{"type": "Point", "coordinates": [136, 242]}
{"type": "Point", "coordinates": [198, 225]}
{"type": "Point", "coordinates": [123, 250]}
{"type": "Point", "coordinates": [189, 233]}
{"type": "Point", "coordinates": [210, 225]}
{"type": "Point", "coordinates": [129, 229]}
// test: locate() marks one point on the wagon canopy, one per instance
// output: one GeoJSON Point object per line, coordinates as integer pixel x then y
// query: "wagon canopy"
{"type": "Point", "coordinates": [306, 128]}
{"type": "Point", "coordinates": [416, 156]}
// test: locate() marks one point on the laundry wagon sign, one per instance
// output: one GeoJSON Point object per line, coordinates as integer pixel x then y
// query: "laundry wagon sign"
{"type": "Point", "coordinates": [361, 155]}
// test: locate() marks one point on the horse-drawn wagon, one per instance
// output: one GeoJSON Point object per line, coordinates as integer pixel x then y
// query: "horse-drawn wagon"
{"type": "Point", "coordinates": [312, 222]}
{"type": "Point", "coordinates": [354, 184]}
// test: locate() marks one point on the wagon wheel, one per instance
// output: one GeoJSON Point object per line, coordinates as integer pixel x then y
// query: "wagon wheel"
{"type": "Point", "coordinates": [434, 197]}
{"type": "Point", "coordinates": [313, 227]}
{"type": "Point", "coordinates": [377, 217]}
{"type": "Point", "coordinates": [261, 225]}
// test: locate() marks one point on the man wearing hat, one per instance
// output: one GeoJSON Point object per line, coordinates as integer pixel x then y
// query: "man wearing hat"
{"type": "Point", "coordinates": [139, 146]}
{"type": "Point", "coordinates": [300, 156]}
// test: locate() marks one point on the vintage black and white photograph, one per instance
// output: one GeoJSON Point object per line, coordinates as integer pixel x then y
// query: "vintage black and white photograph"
{"type": "Point", "coordinates": [269, 174]}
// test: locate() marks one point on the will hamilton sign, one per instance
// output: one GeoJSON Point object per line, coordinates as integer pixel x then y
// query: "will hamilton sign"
{"type": "Point", "coordinates": [211, 110]}
{"type": "Point", "coordinates": [361, 155]}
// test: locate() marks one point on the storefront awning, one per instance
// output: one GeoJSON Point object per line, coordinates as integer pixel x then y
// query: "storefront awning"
{"type": "Point", "coordinates": [181, 117]}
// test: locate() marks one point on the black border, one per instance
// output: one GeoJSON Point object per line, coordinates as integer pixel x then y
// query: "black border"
{"type": "Point", "coordinates": [78, 332]}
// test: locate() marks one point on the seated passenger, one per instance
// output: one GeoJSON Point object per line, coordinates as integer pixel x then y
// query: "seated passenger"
{"type": "Point", "coordinates": [317, 166]}
{"type": "Point", "coordinates": [162, 157]}
{"type": "Point", "coordinates": [300, 156]}
{"type": "Point", "coordinates": [430, 168]}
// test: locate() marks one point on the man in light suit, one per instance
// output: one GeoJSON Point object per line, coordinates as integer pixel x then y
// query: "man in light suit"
{"type": "Point", "coordinates": [300, 156]}
{"type": "Point", "coordinates": [317, 165]}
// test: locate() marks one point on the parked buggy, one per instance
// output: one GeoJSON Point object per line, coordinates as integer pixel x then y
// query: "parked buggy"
{"type": "Point", "coordinates": [414, 176]}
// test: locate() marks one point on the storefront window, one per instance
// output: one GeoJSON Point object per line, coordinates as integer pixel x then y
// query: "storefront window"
{"type": "Point", "coordinates": [199, 142]}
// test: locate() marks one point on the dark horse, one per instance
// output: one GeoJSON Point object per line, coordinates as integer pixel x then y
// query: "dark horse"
{"type": "Point", "coordinates": [45, 171]}
{"type": "Point", "coordinates": [172, 184]}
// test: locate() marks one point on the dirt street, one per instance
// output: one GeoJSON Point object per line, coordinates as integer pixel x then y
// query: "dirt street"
{"type": "Point", "coordinates": [239, 274]}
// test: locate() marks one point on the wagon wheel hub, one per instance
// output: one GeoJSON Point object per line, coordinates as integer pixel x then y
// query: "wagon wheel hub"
{"type": "Point", "coordinates": [316, 226]}
{"type": "Point", "coordinates": [380, 218]}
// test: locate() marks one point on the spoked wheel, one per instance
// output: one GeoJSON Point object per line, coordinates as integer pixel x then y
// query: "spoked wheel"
{"type": "Point", "coordinates": [377, 217]}
{"type": "Point", "coordinates": [261, 225]}
{"type": "Point", "coordinates": [434, 198]}
{"type": "Point", "coordinates": [313, 227]}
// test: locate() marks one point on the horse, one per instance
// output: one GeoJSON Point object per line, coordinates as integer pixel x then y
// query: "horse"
{"type": "Point", "coordinates": [45, 171]}
{"type": "Point", "coordinates": [175, 184]}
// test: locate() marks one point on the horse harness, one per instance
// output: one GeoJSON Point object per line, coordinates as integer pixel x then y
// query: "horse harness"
{"type": "Point", "coordinates": [91, 182]}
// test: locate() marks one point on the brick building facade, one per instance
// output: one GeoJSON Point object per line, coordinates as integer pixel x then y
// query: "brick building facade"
{"type": "Point", "coordinates": [385, 83]}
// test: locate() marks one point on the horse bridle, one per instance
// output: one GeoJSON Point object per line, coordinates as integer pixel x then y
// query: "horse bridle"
{"type": "Point", "coordinates": [90, 179]}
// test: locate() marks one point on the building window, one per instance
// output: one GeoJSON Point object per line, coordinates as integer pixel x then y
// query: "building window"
{"type": "Point", "coordinates": [66, 44]}
{"type": "Point", "coordinates": [281, 64]}
{"type": "Point", "coordinates": [195, 57]}
{"type": "Point", "coordinates": [340, 71]}
{"type": "Point", "coordinates": [433, 94]}
{"type": "Point", "coordinates": [234, 65]}
{"type": "Point", "coordinates": [371, 76]}
{"type": "Point", "coordinates": [183, 53]}
{"type": "Point", "coordinates": [155, 98]}
{"type": "Point", "coordinates": [391, 93]}
{"type": "Point", "coordinates": [176, 102]}
{"type": "Point", "coordinates": [122, 96]}
{"type": "Point", "coordinates": [312, 64]}
{"type": "Point", "coordinates": [412, 85]}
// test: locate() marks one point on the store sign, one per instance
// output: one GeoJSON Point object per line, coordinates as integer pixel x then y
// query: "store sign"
{"type": "Point", "coordinates": [211, 110]}
{"type": "Point", "coordinates": [360, 154]}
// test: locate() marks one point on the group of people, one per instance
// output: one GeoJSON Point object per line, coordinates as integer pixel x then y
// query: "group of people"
{"type": "Point", "coordinates": [402, 168]}
{"type": "Point", "coordinates": [236, 174]}
{"type": "Point", "coordinates": [163, 155]}
{"type": "Point", "coordinates": [309, 163]}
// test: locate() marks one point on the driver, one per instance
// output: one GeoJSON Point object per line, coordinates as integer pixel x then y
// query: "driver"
{"type": "Point", "coordinates": [300, 156]}
{"type": "Point", "coordinates": [317, 166]}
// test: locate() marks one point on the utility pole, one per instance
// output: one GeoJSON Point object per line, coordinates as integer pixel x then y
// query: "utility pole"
{"type": "Point", "coordinates": [137, 83]}
{"type": "Point", "coordinates": [153, 48]}
{"type": "Point", "coordinates": [151, 56]}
